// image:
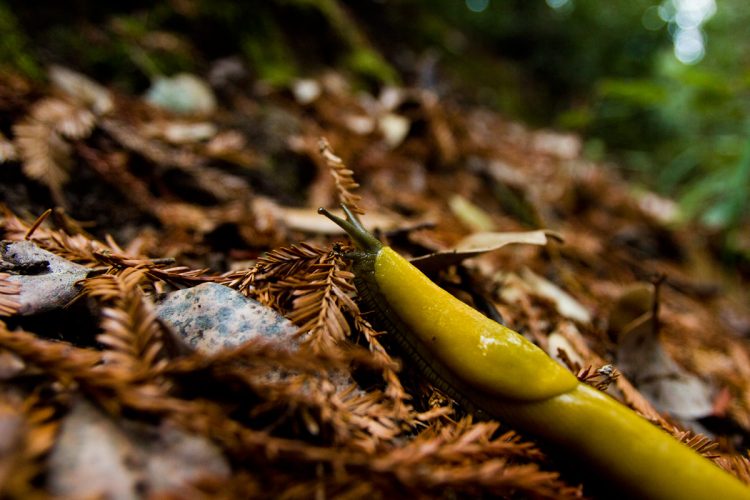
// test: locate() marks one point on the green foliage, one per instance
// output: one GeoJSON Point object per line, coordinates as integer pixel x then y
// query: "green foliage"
{"type": "Point", "coordinates": [607, 70]}
{"type": "Point", "coordinates": [604, 69]}
{"type": "Point", "coordinates": [14, 46]}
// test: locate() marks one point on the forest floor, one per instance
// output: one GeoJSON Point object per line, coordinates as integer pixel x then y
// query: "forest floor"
{"type": "Point", "coordinates": [98, 381]}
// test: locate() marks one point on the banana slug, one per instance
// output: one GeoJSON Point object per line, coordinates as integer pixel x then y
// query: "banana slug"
{"type": "Point", "coordinates": [490, 369]}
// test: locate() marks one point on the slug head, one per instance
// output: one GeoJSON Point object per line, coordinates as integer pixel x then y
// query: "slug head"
{"type": "Point", "coordinates": [363, 240]}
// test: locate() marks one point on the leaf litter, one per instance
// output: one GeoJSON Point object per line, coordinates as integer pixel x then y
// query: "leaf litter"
{"type": "Point", "coordinates": [164, 209]}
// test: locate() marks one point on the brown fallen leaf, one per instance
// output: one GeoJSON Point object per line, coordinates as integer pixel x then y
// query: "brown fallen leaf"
{"type": "Point", "coordinates": [641, 356]}
{"type": "Point", "coordinates": [481, 243]}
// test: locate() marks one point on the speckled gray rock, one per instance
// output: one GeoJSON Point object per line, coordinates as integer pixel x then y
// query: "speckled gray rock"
{"type": "Point", "coordinates": [210, 317]}
{"type": "Point", "coordinates": [47, 281]}
{"type": "Point", "coordinates": [95, 457]}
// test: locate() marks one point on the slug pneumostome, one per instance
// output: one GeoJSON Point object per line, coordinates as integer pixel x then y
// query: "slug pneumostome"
{"type": "Point", "coordinates": [491, 369]}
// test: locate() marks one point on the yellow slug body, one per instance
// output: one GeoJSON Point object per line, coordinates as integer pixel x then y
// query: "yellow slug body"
{"type": "Point", "coordinates": [640, 459]}
{"type": "Point", "coordinates": [509, 377]}
{"type": "Point", "coordinates": [482, 352]}
{"type": "Point", "coordinates": [493, 369]}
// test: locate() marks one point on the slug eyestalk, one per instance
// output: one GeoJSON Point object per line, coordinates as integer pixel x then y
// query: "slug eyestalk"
{"type": "Point", "coordinates": [354, 228]}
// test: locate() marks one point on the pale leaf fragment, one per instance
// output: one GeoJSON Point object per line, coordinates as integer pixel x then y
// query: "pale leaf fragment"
{"type": "Point", "coordinates": [8, 151]}
{"type": "Point", "coordinates": [82, 89]}
{"type": "Point", "coordinates": [642, 358]}
{"type": "Point", "coordinates": [565, 304]}
{"type": "Point", "coordinates": [471, 215]}
{"type": "Point", "coordinates": [481, 243]}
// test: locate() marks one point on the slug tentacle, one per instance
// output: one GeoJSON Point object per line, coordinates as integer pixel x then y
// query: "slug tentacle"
{"type": "Point", "coordinates": [353, 227]}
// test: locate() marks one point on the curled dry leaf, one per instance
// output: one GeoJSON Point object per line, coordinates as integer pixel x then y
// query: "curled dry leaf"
{"type": "Point", "coordinates": [565, 304]}
{"type": "Point", "coordinates": [471, 215]}
{"type": "Point", "coordinates": [641, 356]}
{"type": "Point", "coordinates": [480, 243]}
{"type": "Point", "coordinates": [82, 89]}
{"type": "Point", "coordinates": [309, 221]}
{"type": "Point", "coordinates": [178, 132]}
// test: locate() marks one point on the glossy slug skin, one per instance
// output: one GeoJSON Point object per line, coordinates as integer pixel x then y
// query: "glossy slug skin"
{"type": "Point", "coordinates": [482, 352]}
{"type": "Point", "coordinates": [639, 458]}
{"type": "Point", "coordinates": [491, 369]}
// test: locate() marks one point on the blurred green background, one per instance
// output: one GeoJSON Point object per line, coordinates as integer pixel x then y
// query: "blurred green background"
{"type": "Point", "coordinates": [660, 87]}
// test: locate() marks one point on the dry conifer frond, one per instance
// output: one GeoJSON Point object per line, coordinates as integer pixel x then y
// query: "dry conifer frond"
{"type": "Point", "coordinates": [319, 301]}
{"type": "Point", "coordinates": [40, 139]}
{"type": "Point", "coordinates": [313, 385]}
{"type": "Point", "coordinates": [8, 290]}
{"type": "Point", "coordinates": [130, 138]}
{"type": "Point", "coordinates": [316, 282]}
{"type": "Point", "coordinates": [636, 401]}
{"type": "Point", "coordinates": [45, 155]}
{"type": "Point", "coordinates": [35, 425]}
{"type": "Point", "coordinates": [465, 457]}
{"type": "Point", "coordinates": [176, 276]}
{"type": "Point", "coordinates": [112, 169]}
{"type": "Point", "coordinates": [277, 264]}
{"type": "Point", "coordinates": [61, 359]}
{"type": "Point", "coordinates": [76, 248]}
{"type": "Point", "coordinates": [342, 176]}
{"type": "Point", "coordinates": [394, 389]}
{"type": "Point", "coordinates": [601, 378]}
{"type": "Point", "coordinates": [131, 333]}
{"type": "Point", "coordinates": [287, 261]}
{"type": "Point", "coordinates": [700, 443]}
{"type": "Point", "coordinates": [65, 118]}
{"type": "Point", "coordinates": [82, 89]}
{"type": "Point", "coordinates": [418, 467]}
{"type": "Point", "coordinates": [270, 355]}
{"type": "Point", "coordinates": [739, 465]}
{"type": "Point", "coordinates": [8, 151]}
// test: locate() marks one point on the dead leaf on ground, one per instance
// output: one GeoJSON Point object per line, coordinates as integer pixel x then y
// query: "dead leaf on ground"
{"type": "Point", "coordinates": [641, 356]}
{"type": "Point", "coordinates": [481, 243]}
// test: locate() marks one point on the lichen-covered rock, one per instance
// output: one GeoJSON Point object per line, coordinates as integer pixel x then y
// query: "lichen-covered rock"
{"type": "Point", "coordinates": [96, 457]}
{"type": "Point", "coordinates": [47, 281]}
{"type": "Point", "coordinates": [210, 317]}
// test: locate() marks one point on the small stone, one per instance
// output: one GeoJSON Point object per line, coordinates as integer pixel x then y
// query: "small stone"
{"type": "Point", "coordinates": [183, 93]}
{"type": "Point", "coordinates": [306, 91]}
{"type": "Point", "coordinates": [96, 457]}
{"type": "Point", "coordinates": [50, 280]}
{"type": "Point", "coordinates": [211, 317]}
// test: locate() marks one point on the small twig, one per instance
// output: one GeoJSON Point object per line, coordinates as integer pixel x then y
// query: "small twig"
{"type": "Point", "coordinates": [38, 222]}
